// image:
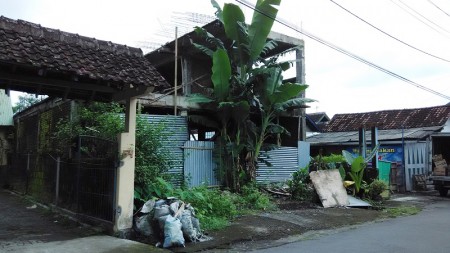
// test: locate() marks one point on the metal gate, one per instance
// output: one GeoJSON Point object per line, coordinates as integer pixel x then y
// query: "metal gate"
{"type": "Point", "coordinates": [96, 166]}
{"type": "Point", "coordinates": [199, 167]}
{"type": "Point", "coordinates": [415, 161]}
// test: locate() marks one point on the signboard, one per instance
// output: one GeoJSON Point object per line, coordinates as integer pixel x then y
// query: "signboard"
{"type": "Point", "coordinates": [390, 153]}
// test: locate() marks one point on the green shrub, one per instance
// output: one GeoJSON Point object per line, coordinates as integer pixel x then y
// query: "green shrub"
{"type": "Point", "coordinates": [300, 185]}
{"type": "Point", "coordinates": [333, 158]}
{"type": "Point", "coordinates": [376, 188]}
{"type": "Point", "coordinates": [213, 207]}
{"type": "Point", "coordinates": [152, 157]}
{"type": "Point", "coordinates": [253, 199]}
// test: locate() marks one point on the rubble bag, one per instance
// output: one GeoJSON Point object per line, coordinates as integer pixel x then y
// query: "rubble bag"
{"type": "Point", "coordinates": [143, 225]}
{"type": "Point", "coordinates": [161, 211]}
{"type": "Point", "coordinates": [189, 232]}
{"type": "Point", "coordinates": [173, 236]}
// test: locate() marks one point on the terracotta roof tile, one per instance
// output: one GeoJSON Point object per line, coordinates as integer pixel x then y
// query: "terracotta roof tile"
{"type": "Point", "coordinates": [22, 42]}
{"type": "Point", "coordinates": [390, 119]}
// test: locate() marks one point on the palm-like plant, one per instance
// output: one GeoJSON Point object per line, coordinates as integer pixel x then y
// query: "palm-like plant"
{"type": "Point", "coordinates": [244, 81]}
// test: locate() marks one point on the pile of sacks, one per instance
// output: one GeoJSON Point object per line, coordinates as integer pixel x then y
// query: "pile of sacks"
{"type": "Point", "coordinates": [171, 220]}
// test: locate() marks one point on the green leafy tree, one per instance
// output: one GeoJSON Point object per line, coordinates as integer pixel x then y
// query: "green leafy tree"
{"type": "Point", "coordinates": [26, 101]}
{"type": "Point", "coordinates": [245, 81]}
{"type": "Point", "coordinates": [104, 120]}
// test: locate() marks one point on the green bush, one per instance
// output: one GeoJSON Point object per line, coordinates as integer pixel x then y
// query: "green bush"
{"type": "Point", "coordinates": [252, 198]}
{"type": "Point", "coordinates": [152, 158]}
{"type": "Point", "coordinates": [300, 185]}
{"type": "Point", "coordinates": [376, 188]}
{"type": "Point", "coordinates": [213, 207]}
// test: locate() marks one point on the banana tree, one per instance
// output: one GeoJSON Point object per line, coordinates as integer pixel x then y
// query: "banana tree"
{"type": "Point", "coordinates": [243, 79]}
{"type": "Point", "coordinates": [358, 165]}
{"type": "Point", "coordinates": [229, 117]}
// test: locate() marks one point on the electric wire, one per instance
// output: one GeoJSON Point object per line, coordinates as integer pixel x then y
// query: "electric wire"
{"type": "Point", "coordinates": [418, 13]}
{"type": "Point", "coordinates": [389, 35]}
{"type": "Point", "coordinates": [435, 5]}
{"type": "Point", "coordinates": [343, 51]}
{"type": "Point", "coordinates": [407, 6]}
{"type": "Point", "coordinates": [420, 20]}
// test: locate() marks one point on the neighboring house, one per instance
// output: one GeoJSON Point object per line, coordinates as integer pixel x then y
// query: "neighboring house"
{"type": "Point", "coordinates": [320, 120]}
{"type": "Point", "coordinates": [194, 75]}
{"type": "Point", "coordinates": [408, 137]}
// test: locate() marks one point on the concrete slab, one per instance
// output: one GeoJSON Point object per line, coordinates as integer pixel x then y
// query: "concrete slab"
{"type": "Point", "coordinates": [355, 202]}
{"type": "Point", "coordinates": [329, 187]}
{"type": "Point", "coordinates": [104, 244]}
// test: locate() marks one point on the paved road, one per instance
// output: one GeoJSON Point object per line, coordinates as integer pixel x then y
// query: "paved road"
{"type": "Point", "coordinates": [427, 232]}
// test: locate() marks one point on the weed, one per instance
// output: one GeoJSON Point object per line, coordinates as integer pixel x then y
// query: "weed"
{"type": "Point", "coordinates": [404, 210]}
{"type": "Point", "coordinates": [299, 185]}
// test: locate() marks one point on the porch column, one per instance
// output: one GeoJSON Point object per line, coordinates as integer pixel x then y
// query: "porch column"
{"type": "Point", "coordinates": [300, 78]}
{"type": "Point", "coordinates": [125, 173]}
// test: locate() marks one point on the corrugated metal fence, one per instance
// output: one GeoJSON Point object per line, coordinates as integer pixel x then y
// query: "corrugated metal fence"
{"type": "Point", "coordinates": [175, 133]}
{"type": "Point", "coordinates": [199, 167]}
{"type": "Point", "coordinates": [282, 163]}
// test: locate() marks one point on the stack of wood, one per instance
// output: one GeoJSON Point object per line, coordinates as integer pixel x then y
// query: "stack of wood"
{"type": "Point", "coordinates": [440, 166]}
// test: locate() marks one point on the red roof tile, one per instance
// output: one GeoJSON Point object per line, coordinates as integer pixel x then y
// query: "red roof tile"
{"type": "Point", "coordinates": [390, 119]}
{"type": "Point", "coordinates": [28, 44]}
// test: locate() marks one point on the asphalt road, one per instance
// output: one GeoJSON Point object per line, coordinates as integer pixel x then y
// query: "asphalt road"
{"type": "Point", "coordinates": [428, 231]}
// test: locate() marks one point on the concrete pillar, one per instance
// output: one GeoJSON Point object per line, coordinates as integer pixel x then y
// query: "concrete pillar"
{"type": "Point", "coordinates": [374, 143]}
{"type": "Point", "coordinates": [362, 141]}
{"type": "Point", "coordinates": [125, 173]}
{"type": "Point", "coordinates": [300, 78]}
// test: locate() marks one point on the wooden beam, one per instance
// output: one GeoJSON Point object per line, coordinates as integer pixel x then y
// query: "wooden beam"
{"type": "Point", "coordinates": [66, 94]}
{"type": "Point", "coordinates": [131, 93]}
{"type": "Point", "coordinates": [36, 80]}
{"type": "Point", "coordinates": [92, 96]}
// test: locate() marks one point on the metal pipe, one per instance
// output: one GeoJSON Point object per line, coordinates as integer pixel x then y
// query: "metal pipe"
{"type": "Point", "coordinates": [175, 97]}
{"type": "Point", "coordinates": [58, 167]}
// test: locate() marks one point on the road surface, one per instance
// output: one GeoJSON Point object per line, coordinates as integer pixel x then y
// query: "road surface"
{"type": "Point", "coordinates": [428, 231]}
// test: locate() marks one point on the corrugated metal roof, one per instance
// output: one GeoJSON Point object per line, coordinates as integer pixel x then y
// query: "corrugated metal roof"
{"type": "Point", "coordinates": [6, 113]}
{"type": "Point", "coordinates": [391, 134]}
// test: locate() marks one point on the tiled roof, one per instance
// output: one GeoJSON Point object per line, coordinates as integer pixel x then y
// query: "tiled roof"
{"type": "Point", "coordinates": [390, 119]}
{"type": "Point", "coordinates": [27, 44]}
{"type": "Point", "coordinates": [318, 117]}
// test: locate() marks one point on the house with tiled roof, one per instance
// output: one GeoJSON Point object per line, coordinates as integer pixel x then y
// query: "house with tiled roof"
{"type": "Point", "coordinates": [320, 120]}
{"type": "Point", "coordinates": [67, 66]}
{"type": "Point", "coordinates": [408, 137]}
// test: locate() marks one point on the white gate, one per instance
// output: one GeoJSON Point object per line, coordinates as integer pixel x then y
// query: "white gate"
{"type": "Point", "coordinates": [415, 161]}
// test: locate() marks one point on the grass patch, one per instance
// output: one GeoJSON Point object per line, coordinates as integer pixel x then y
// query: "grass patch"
{"type": "Point", "coordinates": [393, 212]}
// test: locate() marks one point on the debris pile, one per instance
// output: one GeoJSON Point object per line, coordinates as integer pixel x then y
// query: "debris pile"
{"type": "Point", "coordinates": [170, 221]}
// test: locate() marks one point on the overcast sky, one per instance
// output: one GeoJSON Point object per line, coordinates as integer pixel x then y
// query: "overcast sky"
{"type": "Point", "coordinates": [339, 83]}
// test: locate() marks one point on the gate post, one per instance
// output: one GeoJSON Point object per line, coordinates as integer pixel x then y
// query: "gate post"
{"type": "Point", "coordinates": [125, 173]}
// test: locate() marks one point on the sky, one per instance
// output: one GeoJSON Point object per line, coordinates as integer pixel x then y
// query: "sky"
{"type": "Point", "coordinates": [339, 83]}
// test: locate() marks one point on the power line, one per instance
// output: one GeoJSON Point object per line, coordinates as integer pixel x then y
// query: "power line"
{"type": "Point", "coordinates": [418, 13]}
{"type": "Point", "coordinates": [343, 51]}
{"type": "Point", "coordinates": [387, 34]}
{"type": "Point", "coordinates": [438, 8]}
{"type": "Point", "coordinates": [420, 20]}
